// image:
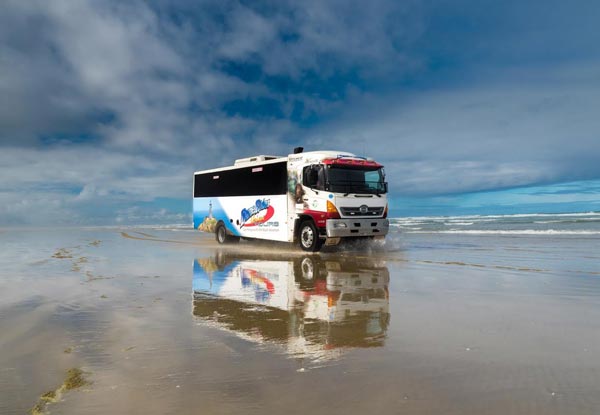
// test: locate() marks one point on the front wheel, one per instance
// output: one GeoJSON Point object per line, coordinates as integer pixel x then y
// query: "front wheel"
{"type": "Point", "coordinates": [308, 237]}
{"type": "Point", "coordinates": [307, 267]}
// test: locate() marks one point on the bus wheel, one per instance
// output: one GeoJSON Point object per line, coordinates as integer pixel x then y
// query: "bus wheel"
{"type": "Point", "coordinates": [221, 234]}
{"type": "Point", "coordinates": [307, 267]}
{"type": "Point", "coordinates": [308, 237]}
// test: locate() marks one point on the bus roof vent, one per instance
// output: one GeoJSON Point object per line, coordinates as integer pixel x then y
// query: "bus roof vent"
{"type": "Point", "coordinates": [254, 159]}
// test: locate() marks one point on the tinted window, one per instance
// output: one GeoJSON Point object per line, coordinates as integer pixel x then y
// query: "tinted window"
{"type": "Point", "coordinates": [356, 180]}
{"type": "Point", "coordinates": [314, 177]}
{"type": "Point", "coordinates": [261, 180]}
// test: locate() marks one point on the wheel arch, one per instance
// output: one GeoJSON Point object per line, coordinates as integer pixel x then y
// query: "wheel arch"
{"type": "Point", "coordinates": [227, 230]}
{"type": "Point", "coordinates": [228, 237]}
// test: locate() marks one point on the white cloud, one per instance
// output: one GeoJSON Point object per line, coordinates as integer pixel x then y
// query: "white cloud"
{"type": "Point", "coordinates": [108, 104]}
{"type": "Point", "coordinates": [488, 136]}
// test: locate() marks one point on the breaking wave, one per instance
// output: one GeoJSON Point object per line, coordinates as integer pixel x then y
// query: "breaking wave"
{"type": "Point", "coordinates": [580, 223]}
{"type": "Point", "coordinates": [514, 232]}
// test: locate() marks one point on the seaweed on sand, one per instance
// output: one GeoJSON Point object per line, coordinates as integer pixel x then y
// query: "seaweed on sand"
{"type": "Point", "coordinates": [75, 379]}
{"type": "Point", "coordinates": [62, 253]}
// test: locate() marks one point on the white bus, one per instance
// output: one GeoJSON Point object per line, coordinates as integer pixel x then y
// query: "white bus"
{"type": "Point", "coordinates": [311, 198]}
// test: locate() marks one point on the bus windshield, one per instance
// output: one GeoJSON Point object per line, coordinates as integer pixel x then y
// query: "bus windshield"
{"type": "Point", "coordinates": [356, 179]}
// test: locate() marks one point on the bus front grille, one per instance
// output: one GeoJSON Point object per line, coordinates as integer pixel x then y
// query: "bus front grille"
{"type": "Point", "coordinates": [357, 211]}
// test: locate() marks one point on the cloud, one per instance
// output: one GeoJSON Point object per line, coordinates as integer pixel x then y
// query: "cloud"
{"type": "Point", "coordinates": [500, 134]}
{"type": "Point", "coordinates": [110, 105]}
{"type": "Point", "coordinates": [113, 102]}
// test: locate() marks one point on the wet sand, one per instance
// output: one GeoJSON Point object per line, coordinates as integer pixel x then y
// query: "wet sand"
{"type": "Point", "coordinates": [161, 322]}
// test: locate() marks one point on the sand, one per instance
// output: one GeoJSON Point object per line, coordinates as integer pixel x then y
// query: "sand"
{"type": "Point", "coordinates": [162, 321]}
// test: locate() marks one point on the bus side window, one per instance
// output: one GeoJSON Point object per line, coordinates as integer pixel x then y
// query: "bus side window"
{"type": "Point", "coordinates": [309, 178]}
{"type": "Point", "coordinates": [314, 177]}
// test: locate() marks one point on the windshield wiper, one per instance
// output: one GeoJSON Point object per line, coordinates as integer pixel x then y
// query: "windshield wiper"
{"type": "Point", "coordinates": [359, 192]}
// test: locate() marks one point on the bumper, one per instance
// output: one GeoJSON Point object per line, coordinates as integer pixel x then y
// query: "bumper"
{"type": "Point", "coordinates": [341, 228]}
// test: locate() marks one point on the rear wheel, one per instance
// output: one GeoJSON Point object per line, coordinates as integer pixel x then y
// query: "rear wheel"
{"type": "Point", "coordinates": [221, 234]}
{"type": "Point", "coordinates": [222, 237]}
{"type": "Point", "coordinates": [308, 237]}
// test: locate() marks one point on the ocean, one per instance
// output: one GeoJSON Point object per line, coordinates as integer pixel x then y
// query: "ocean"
{"type": "Point", "coordinates": [518, 224]}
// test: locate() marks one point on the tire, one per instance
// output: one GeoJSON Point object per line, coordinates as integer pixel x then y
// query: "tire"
{"type": "Point", "coordinates": [307, 268]}
{"type": "Point", "coordinates": [220, 259]}
{"type": "Point", "coordinates": [308, 237]}
{"type": "Point", "coordinates": [221, 234]}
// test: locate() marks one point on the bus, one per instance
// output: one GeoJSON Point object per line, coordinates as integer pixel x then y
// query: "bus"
{"type": "Point", "coordinates": [310, 198]}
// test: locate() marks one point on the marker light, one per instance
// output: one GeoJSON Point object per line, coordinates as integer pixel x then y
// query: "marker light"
{"type": "Point", "coordinates": [385, 212]}
{"type": "Point", "coordinates": [332, 212]}
{"type": "Point", "coordinates": [332, 298]}
{"type": "Point", "coordinates": [351, 161]}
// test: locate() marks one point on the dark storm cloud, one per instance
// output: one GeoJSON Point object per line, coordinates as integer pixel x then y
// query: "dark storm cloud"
{"type": "Point", "coordinates": [105, 104]}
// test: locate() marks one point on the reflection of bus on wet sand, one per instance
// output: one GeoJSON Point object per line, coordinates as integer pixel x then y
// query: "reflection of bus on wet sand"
{"type": "Point", "coordinates": [311, 307]}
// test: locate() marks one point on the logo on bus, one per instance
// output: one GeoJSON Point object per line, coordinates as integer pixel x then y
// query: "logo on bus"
{"type": "Point", "coordinates": [261, 212]}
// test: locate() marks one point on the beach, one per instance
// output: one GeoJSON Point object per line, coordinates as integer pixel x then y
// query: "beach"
{"type": "Point", "coordinates": [436, 320]}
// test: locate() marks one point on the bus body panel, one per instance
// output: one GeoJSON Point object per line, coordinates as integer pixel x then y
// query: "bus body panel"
{"type": "Point", "coordinates": [263, 217]}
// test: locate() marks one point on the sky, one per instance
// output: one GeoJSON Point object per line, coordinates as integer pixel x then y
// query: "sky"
{"type": "Point", "coordinates": [474, 106]}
